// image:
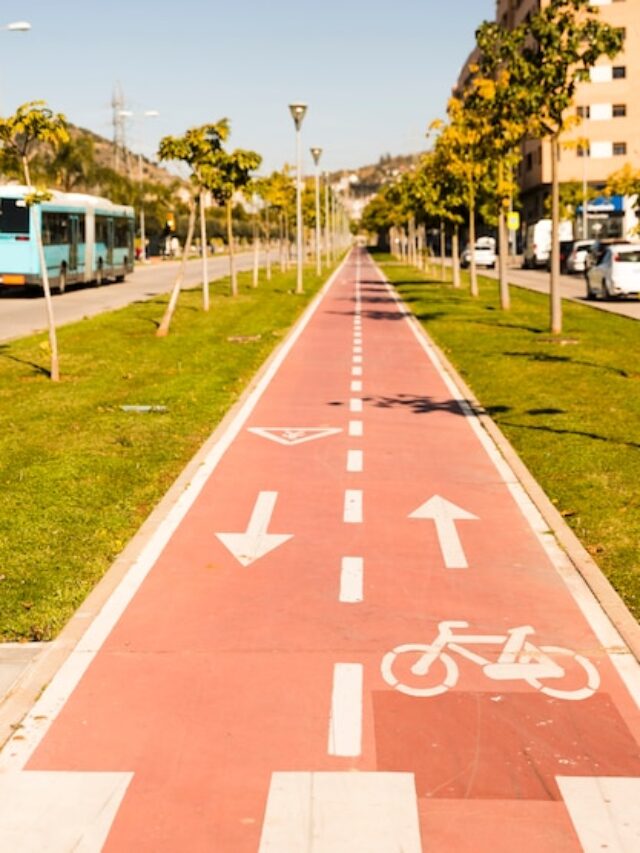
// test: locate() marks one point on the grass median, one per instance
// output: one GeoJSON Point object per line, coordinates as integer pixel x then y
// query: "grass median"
{"type": "Point", "coordinates": [569, 404]}
{"type": "Point", "coordinates": [80, 474]}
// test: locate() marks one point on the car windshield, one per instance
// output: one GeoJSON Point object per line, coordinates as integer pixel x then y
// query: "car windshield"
{"type": "Point", "coordinates": [627, 257]}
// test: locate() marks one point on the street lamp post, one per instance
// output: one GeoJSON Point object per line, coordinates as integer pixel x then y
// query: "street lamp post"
{"type": "Point", "coordinates": [327, 223]}
{"type": "Point", "coordinates": [316, 153]}
{"type": "Point", "coordinates": [298, 111]}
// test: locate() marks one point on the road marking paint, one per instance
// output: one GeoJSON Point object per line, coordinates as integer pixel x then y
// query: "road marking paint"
{"type": "Point", "coordinates": [357, 348]}
{"type": "Point", "coordinates": [356, 385]}
{"type": "Point", "coordinates": [345, 721]}
{"type": "Point", "coordinates": [608, 635]}
{"type": "Point", "coordinates": [357, 359]}
{"type": "Point", "coordinates": [355, 461]}
{"type": "Point", "coordinates": [356, 428]}
{"type": "Point", "coordinates": [58, 811]}
{"type": "Point", "coordinates": [255, 542]}
{"type": "Point", "coordinates": [445, 514]}
{"type": "Point", "coordinates": [351, 580]}
{"type": "Point", "coordinates": [290, 436]}
{"type": "Point", "coordinates": [355, 404]}
{"type": "Point", "coordinates": [341, 813]}
{"type": "Point", "coordinates": [353, 506]}
{"type": "Point", "coordinates": [605, 811]}
{"type": "Point", "coordinates": [356, 371]}
{"type": "Point", "coordinates": [357, 341]}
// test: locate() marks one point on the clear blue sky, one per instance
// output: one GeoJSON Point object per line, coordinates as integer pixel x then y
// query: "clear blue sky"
{"type": "Point", "coordinates": [374, 72]}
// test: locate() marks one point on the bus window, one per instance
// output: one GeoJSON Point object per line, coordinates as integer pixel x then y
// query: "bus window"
{"type": "Point", "coordinates": [55, 228]}
{"type": "Point", "coordinates": [122, 233]}
{"type": "Point", "coordinates": [14, 216]}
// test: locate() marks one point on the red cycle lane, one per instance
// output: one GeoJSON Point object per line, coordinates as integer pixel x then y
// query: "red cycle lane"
{"type": "Point", "coordinates": [354, 641]}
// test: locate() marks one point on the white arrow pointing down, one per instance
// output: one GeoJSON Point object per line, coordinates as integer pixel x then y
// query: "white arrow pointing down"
{"type": "Point", "coordinates": [255, 542]}
{"type": "Point", "coordinates": [445, 514]}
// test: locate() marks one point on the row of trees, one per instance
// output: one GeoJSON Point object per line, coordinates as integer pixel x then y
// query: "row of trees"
{"type": "Point", "coordinates": [37, 146]}
{"type": "Point", "coordinates": [522, 86]}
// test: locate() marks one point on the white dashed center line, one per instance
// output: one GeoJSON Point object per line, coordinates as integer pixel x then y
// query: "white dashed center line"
{"type": "Point", "coordinates": [351, 580]}
{"type": "Point", "coordinates": [355, 461]}
{"type": "Point", "coordinates": [353, 506]}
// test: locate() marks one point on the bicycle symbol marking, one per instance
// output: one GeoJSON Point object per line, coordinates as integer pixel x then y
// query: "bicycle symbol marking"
{"type": "Point", "coordinates": [519, 659]}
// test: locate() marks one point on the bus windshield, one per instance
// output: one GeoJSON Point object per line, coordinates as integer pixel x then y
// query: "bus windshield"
{"type": "Point", "coordinates": [14, 216]}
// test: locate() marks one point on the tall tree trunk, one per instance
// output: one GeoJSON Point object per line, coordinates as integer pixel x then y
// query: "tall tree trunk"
{"type": "Point", "coordinates": [554, 284]}
{"type": "Point", "coordinates": [473, 272]}
{"type": "Point", "coordinates": [205, 260]}
{"type": "Point", "coordinates": [268, 245]}
{"type": "Point", "coordinates": [232, 264]}
{"type": "Point", "coordinates": [54, 370]}
{"type": "Point", "coordinates": [442, 251]}
{"type": "Point", "coordinates": [455, 254]}
{"type": "Point", "coordinates": [163, 328]}
{"type": "Point", "coordinates": [505, 300]}
{"type": "Point", "coordinates": [256, 252]}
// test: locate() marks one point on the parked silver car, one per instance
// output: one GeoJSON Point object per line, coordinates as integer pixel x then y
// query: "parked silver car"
{"type": "Point", "coordinates": [614, 271]}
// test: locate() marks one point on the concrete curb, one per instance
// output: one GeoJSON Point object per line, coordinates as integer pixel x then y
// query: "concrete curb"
{"type": "Point", "coordinates": [28, 687]}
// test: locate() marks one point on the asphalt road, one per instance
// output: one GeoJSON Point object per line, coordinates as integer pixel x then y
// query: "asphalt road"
{"type": "Point", "coordinates": [22, 315]}
{"type": "Point", "coordinates": [571, 287]}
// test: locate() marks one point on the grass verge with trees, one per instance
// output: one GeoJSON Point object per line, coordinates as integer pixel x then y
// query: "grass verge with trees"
{"type": "Point", "coordinates": [570, 406]}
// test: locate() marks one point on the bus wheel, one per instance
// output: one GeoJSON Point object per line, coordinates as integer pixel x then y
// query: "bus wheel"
{"type": "Point", "coordinates": [99, 274]}
{"type": "Point", "coordinates": [62, 280]}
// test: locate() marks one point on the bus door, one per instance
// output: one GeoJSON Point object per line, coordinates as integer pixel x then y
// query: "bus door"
{"type": "Point", "coordinates": [74, 239]}
{"type": "Point", "coordinates": [110, 241]}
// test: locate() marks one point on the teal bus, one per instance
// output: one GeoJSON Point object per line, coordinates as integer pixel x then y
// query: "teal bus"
{"type": "Point", "coordinates": [86, 239]}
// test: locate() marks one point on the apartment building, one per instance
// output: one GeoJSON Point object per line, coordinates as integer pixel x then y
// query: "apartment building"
{"type": "Point", "coordinates": [609, 106]}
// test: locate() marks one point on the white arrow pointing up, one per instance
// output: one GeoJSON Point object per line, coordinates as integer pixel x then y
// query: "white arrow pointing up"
{"type": "Point", "coordinates": [445, 514]}
{"type": "Point", "coordinates": [255, 542]}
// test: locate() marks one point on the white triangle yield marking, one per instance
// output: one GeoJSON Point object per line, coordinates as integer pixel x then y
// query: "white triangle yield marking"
{"type": "Point", "coordinates": [55, 812]}
{"type": "Point", "coordinates": [289, 436]}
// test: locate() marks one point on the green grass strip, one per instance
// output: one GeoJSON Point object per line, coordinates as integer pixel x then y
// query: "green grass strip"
{"type": "Point", "coordinates": [79, 475]}
{"type": "Point", "coordinates": [570, 405]}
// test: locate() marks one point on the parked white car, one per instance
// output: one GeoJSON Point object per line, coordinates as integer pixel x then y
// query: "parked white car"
{"type": "Point", "coordinates": [484, 253]}
{"type": "Point", "coordinates": [615, 271]}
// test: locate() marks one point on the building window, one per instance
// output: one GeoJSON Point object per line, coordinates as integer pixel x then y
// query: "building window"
{"type": "Point", "coordinates": [619, 72]}
{"type": "Point", "coordinates": [619, 149]}
{"type": "Point", "coordinates": [583, 151]}
{"type": "Point", "coordinates": [619, 110]}
{"type": "Point", "coordinates": [529, 162]}
{"type": "Point", "coordinates": [584, 111]}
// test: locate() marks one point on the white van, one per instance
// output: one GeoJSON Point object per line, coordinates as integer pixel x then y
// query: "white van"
{"type": "Point", "coordinates": [537, 249]}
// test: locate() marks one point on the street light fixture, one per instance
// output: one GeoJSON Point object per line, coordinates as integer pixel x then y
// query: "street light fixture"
{"type": "Point", "coordinates": [316, 153]}
{"type": "Point", "coordinates": [298, 111]}
{"type": "Point", "coordinates": [17, 26]}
